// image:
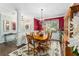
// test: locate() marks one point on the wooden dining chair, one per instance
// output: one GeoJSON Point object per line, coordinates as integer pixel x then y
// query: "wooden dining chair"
{"type": "Point", "coordinates": [31, 44]}
{"type": "Point", "coordinates": [50, 37]}
{"type": "Point", "coordinates": [48, 41]}
{"type": "Point", "coordinates": [44, 45]}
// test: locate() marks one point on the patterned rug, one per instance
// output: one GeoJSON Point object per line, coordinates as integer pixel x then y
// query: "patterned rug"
{"type": "Point", "coordinates": [54, 50]}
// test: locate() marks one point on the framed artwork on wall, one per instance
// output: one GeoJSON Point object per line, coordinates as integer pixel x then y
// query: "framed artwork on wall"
{"type": "Point", "coordinates": [27, 27]}
{"type": "Point", "coordinates": [24, 26]}
{"type": "Point", "coordinates": [13, 25]}
{"type": "Point", "coordinates": [9, 21]}
{"type": "Point", "coordinates": [6, 25]}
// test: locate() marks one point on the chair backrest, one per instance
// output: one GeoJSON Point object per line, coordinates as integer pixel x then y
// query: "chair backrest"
{"type": "Point", "coordinates": [29, 39]}
{"type": "Point", "coordinates": [49, 35]}
{"type": "Point", "coordinates": [56, 35]}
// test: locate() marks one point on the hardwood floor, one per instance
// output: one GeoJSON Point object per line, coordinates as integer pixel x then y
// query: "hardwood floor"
{"type": "Point", "coordinates": [69, 52]}
{"type": "Point", "coordinates": [5, 49]}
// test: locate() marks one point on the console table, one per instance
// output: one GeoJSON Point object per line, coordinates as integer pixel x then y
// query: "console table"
{"type": "Point", "coordinates": [8, 34]}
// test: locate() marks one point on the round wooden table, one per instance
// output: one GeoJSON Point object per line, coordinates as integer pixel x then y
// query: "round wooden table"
{"type": "Point", "coordinates": [40, 38]}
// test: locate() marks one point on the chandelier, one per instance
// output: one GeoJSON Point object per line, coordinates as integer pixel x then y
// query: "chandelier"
{"type": "Point", "coordinates": [41, 18]}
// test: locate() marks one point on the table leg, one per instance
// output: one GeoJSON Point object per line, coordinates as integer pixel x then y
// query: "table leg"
{"type": "Point", "coordinates": [5, 40]}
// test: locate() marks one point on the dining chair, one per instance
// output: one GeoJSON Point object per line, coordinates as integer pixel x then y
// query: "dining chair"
{"type": "Point", "coordinates": [31, 44]}
{"type": "Point", "coordinates": [56, 36]}
{"type": "Point", "coordinates": [44, 44]}
{"type": "Point", "coordinates": [49, 39]}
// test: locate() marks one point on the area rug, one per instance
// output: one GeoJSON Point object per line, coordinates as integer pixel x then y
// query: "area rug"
{"type": "Point", "coordinates": [54, 50]}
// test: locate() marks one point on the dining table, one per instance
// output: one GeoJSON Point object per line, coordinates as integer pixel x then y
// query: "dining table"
{"type": "Point", "coordinates": [40, 37]}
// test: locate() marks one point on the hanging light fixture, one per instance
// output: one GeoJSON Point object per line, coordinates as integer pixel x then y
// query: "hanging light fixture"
{"type": "Point", "coordinates": [41, 20]}
{"type": "Point", "coordinates": [41, 13]}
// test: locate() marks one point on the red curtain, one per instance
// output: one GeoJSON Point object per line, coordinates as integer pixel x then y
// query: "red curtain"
{"type": "Point", "coordinates": [37, 24]}
{"type": "Point", "coordinates": [36, 27]}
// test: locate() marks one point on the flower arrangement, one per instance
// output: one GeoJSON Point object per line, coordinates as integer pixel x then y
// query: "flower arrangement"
{"type": "Point", "coordinates": [74, 44]}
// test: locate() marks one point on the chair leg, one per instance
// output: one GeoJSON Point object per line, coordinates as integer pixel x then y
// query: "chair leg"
{"type": "Point", "coordinates": [28, 48]}
{"type": "Point", "coordinates": [34, 48]}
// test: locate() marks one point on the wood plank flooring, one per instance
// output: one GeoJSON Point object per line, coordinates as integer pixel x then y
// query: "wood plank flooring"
{"type": "Point", "coordinates": [5, 49]}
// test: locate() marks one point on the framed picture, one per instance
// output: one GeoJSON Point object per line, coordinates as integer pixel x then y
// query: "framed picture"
{"type": "Point", "coordinates": [27, 27]}
{"type": "Point", "coordinates": [6, 25]}
{"type": "Point", "coordinates": [13, 25]}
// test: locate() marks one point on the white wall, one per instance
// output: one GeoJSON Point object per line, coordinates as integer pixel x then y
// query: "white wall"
{"type": "Point", "coordinates": [4, 15]}
{"type": "Point", "coordinates": [27, 20]}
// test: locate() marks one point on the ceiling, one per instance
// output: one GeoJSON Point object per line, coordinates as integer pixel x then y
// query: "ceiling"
{"type": "Point", "coordinates": [34, 9]}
